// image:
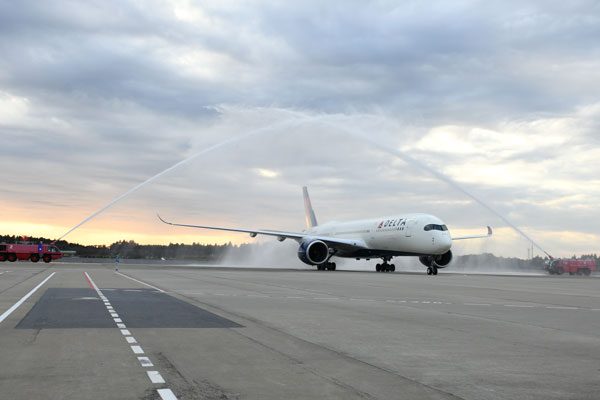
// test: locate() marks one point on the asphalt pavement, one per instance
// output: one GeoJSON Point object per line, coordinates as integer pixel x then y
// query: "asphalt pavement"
{"type": "Point", "coordinates": [85, 331]}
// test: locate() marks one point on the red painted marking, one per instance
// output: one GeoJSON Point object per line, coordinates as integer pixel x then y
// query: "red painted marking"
{"type": "Point", "coordinates": [88, 281]}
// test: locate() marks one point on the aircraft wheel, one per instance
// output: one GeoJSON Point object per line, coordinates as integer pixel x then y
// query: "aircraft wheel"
{"type": "Point", "coordinates": [35, 258]}
{"type": "Point", "coordinates": [378, 268]}
{"type": "Point", "coordinates": [435, 270]}
{"type": "Point", "coordinates": [333, 266]}
{"type": "Point", "coordinates": [392, 268]}
{"type": "Point", "coordinates": [429, 271]}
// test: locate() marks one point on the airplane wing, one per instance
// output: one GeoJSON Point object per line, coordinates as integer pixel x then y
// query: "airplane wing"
{"type": "Point", "coordinates": [489, 233]}
{"type": "Point", "coordinates": [335, 243]}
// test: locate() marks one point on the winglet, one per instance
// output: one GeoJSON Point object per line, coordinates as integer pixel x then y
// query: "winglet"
{"type": "Point", "coordinates": [490, 231]}
{"type": "Point", "coordinates": [162, 220]}
{"type": "Point", "coordinates": [309, 213]}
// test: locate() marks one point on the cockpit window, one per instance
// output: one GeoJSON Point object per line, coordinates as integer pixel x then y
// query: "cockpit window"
{"type": "Point", "coordinates": [434, 227]}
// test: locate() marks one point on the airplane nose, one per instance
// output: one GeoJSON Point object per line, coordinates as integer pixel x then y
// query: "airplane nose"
{"type": "Point", "coordinates": [445, 242]}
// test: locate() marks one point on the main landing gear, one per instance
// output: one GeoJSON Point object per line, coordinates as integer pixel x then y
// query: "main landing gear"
{"type": "Point", "coordinates": [326, 266]}
{"type": "Point", "coordinates": [385, 267]}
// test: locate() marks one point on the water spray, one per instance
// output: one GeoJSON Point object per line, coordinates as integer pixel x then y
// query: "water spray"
{"type": "Point", "coordinates": [410, 160]}
{"type": "Point", "coordinates": [300, 118]}
{"type": "Point", "coordinates": [288, 124]}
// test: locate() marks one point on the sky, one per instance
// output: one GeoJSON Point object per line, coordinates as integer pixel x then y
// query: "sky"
{"type": "Point", "coordinates": [502, 97]}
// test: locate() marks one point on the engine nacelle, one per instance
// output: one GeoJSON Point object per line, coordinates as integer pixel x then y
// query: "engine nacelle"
{"type": "Point", "coordinates": [313, 252]}
{"type": "Point", "coordinates": [441, 260]}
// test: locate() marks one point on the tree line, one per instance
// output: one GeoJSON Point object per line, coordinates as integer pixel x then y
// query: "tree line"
{"type": "Point", "coordinates": [129, 249]}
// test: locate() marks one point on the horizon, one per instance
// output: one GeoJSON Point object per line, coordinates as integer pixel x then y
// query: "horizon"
{"type": "Point", "coordinates": [29, 240]}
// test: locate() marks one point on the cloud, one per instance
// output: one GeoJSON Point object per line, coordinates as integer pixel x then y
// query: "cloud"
{"type": "Point", "coordinates": [95, 97]}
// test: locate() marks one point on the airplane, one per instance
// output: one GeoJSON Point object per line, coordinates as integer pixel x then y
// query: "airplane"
{"type": "Point", "coordinates": [419, 235]}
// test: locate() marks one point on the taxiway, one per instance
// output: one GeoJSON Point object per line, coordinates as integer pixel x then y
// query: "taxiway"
{"type": "Point", "coordinates": [151, 332]}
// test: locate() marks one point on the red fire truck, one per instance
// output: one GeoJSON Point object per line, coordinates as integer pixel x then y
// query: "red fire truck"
{"type": "Point", "coordinates": [579, 267]}
{"type": "Point", "coordinates": [32, 252]}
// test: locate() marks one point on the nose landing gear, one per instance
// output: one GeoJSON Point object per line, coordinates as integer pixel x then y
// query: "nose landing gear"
{"type": "Point", "coordinates": [432, 270]}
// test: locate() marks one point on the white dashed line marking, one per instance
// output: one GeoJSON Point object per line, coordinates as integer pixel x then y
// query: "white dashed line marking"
{"type": "Point", "coordinates": [155, 377]}
{"type": "Point", "coordinates": [393, 301]}
{"type": "Point", "coordinates": [138, 281]}
{"type": "Point", "coordinates": [145, 362]}
{"type": "Point", "coordinates": [166, 394]}
{"type": "Point", "coordinates": [517, 306]}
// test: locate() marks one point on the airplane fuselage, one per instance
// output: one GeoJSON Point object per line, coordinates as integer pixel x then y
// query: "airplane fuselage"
{"type": "Point", "coordinates": [409, 234]}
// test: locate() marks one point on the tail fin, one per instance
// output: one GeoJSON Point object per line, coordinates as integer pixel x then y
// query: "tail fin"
{"type": "Point", "coordinates": [311, 220]}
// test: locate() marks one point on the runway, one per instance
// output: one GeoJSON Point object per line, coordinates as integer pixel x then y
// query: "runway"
{"type": "Point", "coordinates": [151, 332]}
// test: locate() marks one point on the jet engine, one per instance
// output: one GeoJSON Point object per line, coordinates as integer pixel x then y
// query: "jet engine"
{"type": "Point", "coordinates": [441, 260]}
{"type": "Point", "coordinates": [313, 252]}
